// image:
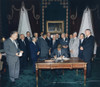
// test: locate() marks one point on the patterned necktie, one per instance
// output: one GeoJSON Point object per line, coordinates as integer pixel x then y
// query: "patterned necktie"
{"type": "Point", "coordinates": [15, 44]}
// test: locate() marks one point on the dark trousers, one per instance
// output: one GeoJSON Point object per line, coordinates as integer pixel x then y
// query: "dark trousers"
{"type": "Point", "coordinates": [29, 59]}
{"type": "Point", "coordinates": [80, 54]}
{"type": "Point", "coordinates": [34, 67]}
{"type": "Point", "coordinates": [23, 62]}
{"type": "Point", "coordinates": [89, 69]}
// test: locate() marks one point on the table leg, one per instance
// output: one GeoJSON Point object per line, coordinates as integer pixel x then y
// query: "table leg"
{"type": "Point", "coordinates": [63, 72]}
{"type": "Point", "coordinates": [36, 77]}
{"type": "Point", "coordinates": [84, 76]}
{"type": "Point", "coordinates": [40, 73]}
{"type": "Point", "coordinates": [77, 72]}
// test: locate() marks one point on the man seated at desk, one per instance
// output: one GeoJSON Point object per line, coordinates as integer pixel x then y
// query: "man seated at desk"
{"type": "Point", "coordinates": [59, 52]}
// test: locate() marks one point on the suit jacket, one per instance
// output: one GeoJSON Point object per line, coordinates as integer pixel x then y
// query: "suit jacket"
{"type": "Point", "coordinates": [54, 46]}
{"type": "Point", "coordinates": [74, 46]}
{"type": "Point", "coordinates": [34, 49]}
{"type": "Point", "coordinates": [28, 45]}
{"type": "Point", "coordinates": [44, 48]}
{"type": "Point", "coordinates": [63, 53]}
{"type": "Point", "coordinates": [64, 43]}
{"type": "Point", "coordinates": [49, 41]}
{"type": "Point", "coordinates": [28, 42]}
{"type": "Point", "coordinates": [80, 51]}
{"type": "Point", "coordinates": [88, 48]}
{"type": "Point", "coordinates": [11, 50]}
{"type": "Point", "coordinates": [22, 46]}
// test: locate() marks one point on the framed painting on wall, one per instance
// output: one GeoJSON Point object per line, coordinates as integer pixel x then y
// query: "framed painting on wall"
{"type": "Point", "coordinates": [55, 26]}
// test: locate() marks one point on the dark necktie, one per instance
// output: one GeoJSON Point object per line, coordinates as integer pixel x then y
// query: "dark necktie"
{"type": "Point", "coordinates": [24, 42]}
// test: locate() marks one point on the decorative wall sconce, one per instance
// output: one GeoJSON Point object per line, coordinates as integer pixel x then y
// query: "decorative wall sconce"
{"type": "Point", "coordinates": [73, 17]}
{"type": "Point", "coordinates": [10, 17]}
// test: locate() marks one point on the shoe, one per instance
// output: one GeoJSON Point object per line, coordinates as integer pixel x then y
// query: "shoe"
{"type": "Point", "coordinates": [12, 82]}
{"type": "Point", "coordinates": [16, 78]}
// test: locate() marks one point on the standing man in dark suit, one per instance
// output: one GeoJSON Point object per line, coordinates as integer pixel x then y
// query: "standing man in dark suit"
{"type": "Point", "coordinates": [81, 42]}
{"type": "Point", "coordinates": [48, 39]}
{"type": "Point", "coordinates": [88, 48]}
{"type": "Point", "coordinates": [36, 36]}
{"type": "Point", "coordinates": [34, 51]}
{"type": "Point", "coordinates": [28, 39]}
{"type": "Point", "coordinates": [64, 42]}
{"type": "Point", "coordinates": [44, 48]}
{"type": "Point", "coordinates": [13, 53]}
{"type": "Point", "coordinates": [66, 36]}
{"type": "Point", "coordinates": [57, 37]}
{"type": "Point", "coordinates": [54, 43]}
{"type": "Point", "coordinates": [22, 46]}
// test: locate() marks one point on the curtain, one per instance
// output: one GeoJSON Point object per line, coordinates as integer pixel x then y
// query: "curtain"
{"type": "Point", "coordinates": [24, 24]}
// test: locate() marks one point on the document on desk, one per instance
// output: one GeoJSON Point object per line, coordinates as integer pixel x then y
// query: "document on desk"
{"type": "Point", "coordinates": [3, 54]}
{"type": "Point", "coordinates": [59, 58]}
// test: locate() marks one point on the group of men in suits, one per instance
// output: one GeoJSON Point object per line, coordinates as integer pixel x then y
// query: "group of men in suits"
{"type": "Point", "coordinates": [83, 48]}
{"type": "Point", "coordinates": [44, 47]}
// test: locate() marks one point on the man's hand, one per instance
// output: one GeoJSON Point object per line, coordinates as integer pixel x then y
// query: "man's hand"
{"type": "Point", "coordinates": [0, 56]}
{"type": "Point", "coordinates": [21, 52]}
{"type": "Point", "coordinates": [55, 56]}
{"type": "Point", "coordinates": [81, 48]}
{"type": "Point", "coordinates": [62, 57]}
{"type": "Point", "coordinates": [50, 52]}
{"type": "Point", "coordinates": [17, 54]}
{"type": "Point", "coordinates": [38, 52]}
{"type": "Point", "coordinates": [71, 51]}
{"type": "Point", "coordinates": [65, 46]}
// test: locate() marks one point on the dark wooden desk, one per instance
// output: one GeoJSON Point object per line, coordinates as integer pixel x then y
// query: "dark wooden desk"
{"type": "Point", "coordinates": [73, 63]}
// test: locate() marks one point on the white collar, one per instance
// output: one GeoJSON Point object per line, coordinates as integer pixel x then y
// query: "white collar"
{"type": "Point", "coordinates": [11, 40]}
{"type": "Point", "coordinates": [43, 38]}
{"type": "Point", "coordinates": [22, 39]}
{"type": "Point", "coordinates": [75, 37]}
{"type": "Point", "coordinates": [48, 37]}
{"type": "Point", "coordinates": [28, 37]}
{"type": "Point", "coordinates": [33, 42]}
{"type": "Point", "coordinates": [88, 36]}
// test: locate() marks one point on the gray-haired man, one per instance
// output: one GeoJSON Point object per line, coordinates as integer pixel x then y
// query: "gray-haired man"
{"type": "Point", "coordinates": [13, 53]}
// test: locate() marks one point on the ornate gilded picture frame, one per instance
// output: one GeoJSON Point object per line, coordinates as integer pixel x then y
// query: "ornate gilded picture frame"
{"type": "Point", "coordinates": [55, 26]}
